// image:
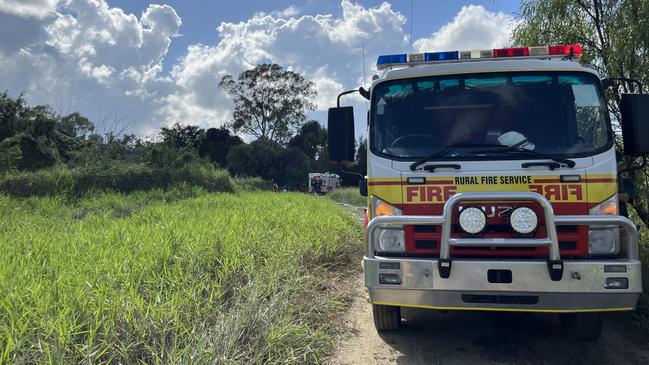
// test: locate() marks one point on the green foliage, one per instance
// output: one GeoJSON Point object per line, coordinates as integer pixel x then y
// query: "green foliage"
{"type": "Point", "coordinates": [311, 139]}
{"type": "Point", "coordinates": [26, 153]}
{"type": "Point", "coordinates": [171, 277]}
{"type": "Point", "coordinates": [269, 102]}
{"type": "Point", "coordinates": [76, 125]}
{"type": "Point", "coordinates": [117, 178]}
{"type": "Point", "coordinates": [217, 144]}
{"type": "Point", "coordinates": [284, 166]}
{"type": "Point", "coordinates": [253, 184]}
{"type": "Point", "coordinates": [183, 136]}
{"type": "Point", "coordinates": [350, 196]}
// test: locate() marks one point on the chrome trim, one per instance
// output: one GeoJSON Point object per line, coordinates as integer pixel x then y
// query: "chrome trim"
{"type": "Point", "coordinates": [471, 275]}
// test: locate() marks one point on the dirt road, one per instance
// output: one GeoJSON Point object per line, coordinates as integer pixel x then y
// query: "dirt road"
{"type": "Point", "coordinates": [459, 337]}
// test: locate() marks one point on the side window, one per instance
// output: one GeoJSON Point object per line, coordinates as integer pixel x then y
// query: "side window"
{"type": "Point", "coordinates": [591, 123]}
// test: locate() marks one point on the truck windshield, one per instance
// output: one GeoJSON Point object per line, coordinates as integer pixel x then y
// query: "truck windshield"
{"type": "Point", "coordinates": [557, 113]}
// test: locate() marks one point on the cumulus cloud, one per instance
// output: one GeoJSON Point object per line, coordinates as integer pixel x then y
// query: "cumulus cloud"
{"type": "Point", "coordinates": [29, 8]}
{"type": "Point", "coordinates": [102, 61]}
{"type": "Point", "coordinates": [474, 27]}
{"type": "Point", "coordinates": [326, 49]}
{"type": "Point", "coordinates": [94, 58]}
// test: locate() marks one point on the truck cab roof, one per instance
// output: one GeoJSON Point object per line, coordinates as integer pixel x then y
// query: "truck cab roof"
{"type": "Point", "coordinates": [478, 66]}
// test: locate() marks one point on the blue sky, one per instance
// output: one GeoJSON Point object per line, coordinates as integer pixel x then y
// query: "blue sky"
{"type": "Point", "coordinates": [201, 17]}
{"type": "Point", "coordinates": [143, 65]}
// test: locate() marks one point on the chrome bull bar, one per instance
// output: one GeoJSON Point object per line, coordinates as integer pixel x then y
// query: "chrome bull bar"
{"type": "Point", "coordinates": [555, 265]}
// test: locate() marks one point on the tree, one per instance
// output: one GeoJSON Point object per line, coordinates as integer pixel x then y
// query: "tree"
{"type": "Point", "coordinates": [615, 35]}
{"type": "Point", "coordinates": [76, 125]}
{"type": "Point", "coordinates": [270, 103]}
{"type": "Point", "coordinates": [217, 144]}
{"type": "Point", "coordinates": [311, 139]}
{"type": "Point", "coordinates": [182, 136]}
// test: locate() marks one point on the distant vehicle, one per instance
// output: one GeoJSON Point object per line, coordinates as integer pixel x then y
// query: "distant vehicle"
{"type": "Point", "coordinates": [493, 186]}
{"type": "Point", "coordinates": [323, 183]}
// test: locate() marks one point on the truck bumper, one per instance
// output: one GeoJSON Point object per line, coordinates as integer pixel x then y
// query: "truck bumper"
{"type": "Point", "coordinates": [522, 285]}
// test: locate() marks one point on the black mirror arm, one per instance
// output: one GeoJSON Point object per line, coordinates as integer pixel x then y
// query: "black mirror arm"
{"type": "Point", "coordinates": [610, 81]}
{"type": "Point", "coordinates": [364, 93]}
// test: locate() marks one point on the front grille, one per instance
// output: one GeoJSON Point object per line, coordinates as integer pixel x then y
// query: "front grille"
{"type": "Point", "coordinates": [425, 229]}
{"type": "Point", "coordinates": [425, 244]}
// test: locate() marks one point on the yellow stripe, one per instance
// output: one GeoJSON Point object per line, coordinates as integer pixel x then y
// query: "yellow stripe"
{"type": "Point", "coordinates": [508, 309]}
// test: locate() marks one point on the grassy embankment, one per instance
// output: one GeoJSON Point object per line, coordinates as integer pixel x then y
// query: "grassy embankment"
{"type": "Point", "coordinates": [175, 276]}
{"type": "Point", "coordinates": [348, 196]}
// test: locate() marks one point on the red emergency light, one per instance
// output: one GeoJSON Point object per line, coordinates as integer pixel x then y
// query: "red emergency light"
{"type": "Point", "coordinates": [512, 52]}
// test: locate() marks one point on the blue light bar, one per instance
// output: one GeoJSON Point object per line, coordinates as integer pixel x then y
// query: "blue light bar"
{"type": "Point", "coordinates": [391, 58]}
{"type": "Point", "coordinates": [442, 56]}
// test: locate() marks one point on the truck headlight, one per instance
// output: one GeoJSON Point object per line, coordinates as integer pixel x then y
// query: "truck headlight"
{"type": "Point", "coordinates": [523, 220]}
{"type": "Point", "coordinates": [391, 240]}
{"type": "Point", "coordinates": [604, 240]}
{"type": "Point", "coordinates": [472, 220]}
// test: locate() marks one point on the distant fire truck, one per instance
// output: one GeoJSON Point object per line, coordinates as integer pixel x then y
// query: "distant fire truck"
{"type": "Point", "coordinates": [323, 183]}
{"type": "Point", "coordinates": [492, 186]}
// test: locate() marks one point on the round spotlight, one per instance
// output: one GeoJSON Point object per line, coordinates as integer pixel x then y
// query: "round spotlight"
{"type": "Point", "coordinates": [472, 220]}
{"type": "Point", "coordinates": [523, 220]}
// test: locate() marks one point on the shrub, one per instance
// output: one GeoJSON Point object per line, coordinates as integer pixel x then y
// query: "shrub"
{"type": "Point", "coordinates": [117, 178]}
{"type": "Point", "coordinates": [253, 184]}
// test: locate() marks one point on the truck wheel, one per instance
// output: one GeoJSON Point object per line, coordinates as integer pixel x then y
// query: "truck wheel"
{"type": "Point", "coordinates": [386, 317]}
{"type": "Point", "coordinates": [583, 326]}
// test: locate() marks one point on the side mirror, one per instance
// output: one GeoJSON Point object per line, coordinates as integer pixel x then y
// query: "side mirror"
{"type": "Point", "coordinates": [635, 123]}
{"type": "Point", "coordinates": [340, 135]}
{"type": "Point", "coordinates": [362, 187]}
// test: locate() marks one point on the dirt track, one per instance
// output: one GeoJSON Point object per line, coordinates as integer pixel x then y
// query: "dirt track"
{"type": "Point", "coordinates": [458, 337]}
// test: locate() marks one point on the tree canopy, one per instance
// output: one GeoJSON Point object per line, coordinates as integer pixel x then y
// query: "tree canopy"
{"type": "Point", "coordinates": [270, 103]}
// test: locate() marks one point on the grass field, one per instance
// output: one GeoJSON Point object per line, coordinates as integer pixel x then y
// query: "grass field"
{"type": "Point", "coordinates": [181, 276]}
{"type": "Point", "coordinates": [349, 196]}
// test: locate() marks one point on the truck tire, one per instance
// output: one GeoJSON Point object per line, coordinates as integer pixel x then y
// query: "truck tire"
{"type": "Point", "coordinates": [386, 317]}
{"type": "Point", "coordinates": [583, 326]}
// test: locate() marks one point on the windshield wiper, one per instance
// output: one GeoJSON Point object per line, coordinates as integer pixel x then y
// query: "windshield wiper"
{"type": "Point", "coordinates": [447, 149]}
{"type": "Point", "coordinates": [524, 151]}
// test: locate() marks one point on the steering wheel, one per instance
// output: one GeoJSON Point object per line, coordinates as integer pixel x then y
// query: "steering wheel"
{"type": "Point", "coordinates": [422, 136]}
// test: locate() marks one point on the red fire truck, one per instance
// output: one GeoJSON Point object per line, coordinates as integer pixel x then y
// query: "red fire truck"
{"type": "Point", "coordinates": [492, 185]}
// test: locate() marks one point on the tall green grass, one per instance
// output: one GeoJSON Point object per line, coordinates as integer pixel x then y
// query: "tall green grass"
{"type": "Point", "coordinates": [348, 196]}
{"type": "Point", "coordinates": [179, 276]}
{"type": "Point", "coordinates": [124, 178]}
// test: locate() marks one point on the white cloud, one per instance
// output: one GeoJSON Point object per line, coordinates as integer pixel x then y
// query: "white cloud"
{"type": "Point", "coordinates": [29, 8]}
{"type": "Point", "coordinates": [100, 60]}
{"type": "Point", "coordinates": [90, 57]}
{"type": "Point", "coordinates": [325, 48]}
{"type": "Point", "coordinates": [291, 11]}
{"type": "Point", "coordinates": [474, 27]}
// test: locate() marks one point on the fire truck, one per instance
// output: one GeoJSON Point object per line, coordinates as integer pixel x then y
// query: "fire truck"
{"type": "Point", "coordinates": [492, 185]}
{"type": "Point", "coordinates": [323, 183]}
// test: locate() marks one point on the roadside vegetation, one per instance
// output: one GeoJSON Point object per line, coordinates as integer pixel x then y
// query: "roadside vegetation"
{"type": "Point", "coordinates": [350, 196]}
{"type": "Point", "coordinates": [175, 276]}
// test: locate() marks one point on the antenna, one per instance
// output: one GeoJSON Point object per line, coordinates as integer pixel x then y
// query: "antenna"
{"type": "Point", "coordinates": [412, 20]}
{"type": "Point", "coordinates": [364, 76]}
